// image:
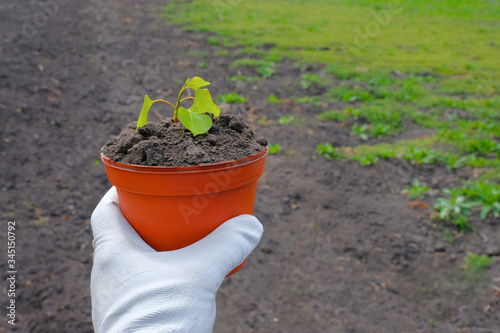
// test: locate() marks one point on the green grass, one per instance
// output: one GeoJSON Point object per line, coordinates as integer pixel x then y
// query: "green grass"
{"type": "Point", "coordinates": [426, 64]}
{"type": "Point", "coordinates": [231, 98]}
{"type": "Point", "coordinates": [273, 99]}
{"type": "Point", "coordinates": [416, 191]}
{"type": "Point", "coordinates": [263, 67]}
{"type": "Point", "coordinates": [477, 263]}
{"type": "Point", "coordinates": [328, 151]}
{"type": "Point", "coordinates": [275, 148]}
{"type": "Point", "coordinates": [446, 37]}
{"type": "Point", "coordinates": [333, 115]}
{"type": "Point", "coordinates": [289, 119]}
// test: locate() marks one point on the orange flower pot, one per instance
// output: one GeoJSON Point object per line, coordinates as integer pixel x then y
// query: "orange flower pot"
{"type": "Point", "coordinates": [173, 207]}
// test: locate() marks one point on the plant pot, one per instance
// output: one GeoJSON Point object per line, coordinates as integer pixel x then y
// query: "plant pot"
{"type": "Point", "coordinates": [173, 207]}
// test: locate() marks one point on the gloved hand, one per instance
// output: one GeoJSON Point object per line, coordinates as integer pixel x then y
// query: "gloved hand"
{"type": "Point", "coordinates": [136, 289]}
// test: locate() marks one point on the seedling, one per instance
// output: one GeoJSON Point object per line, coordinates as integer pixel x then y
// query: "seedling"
{"type": "Point", "coordinates": [212, 40]}
{"type": "Point", "coordinates": [352, 112]}
{"type": "Point", "coordinates": [231, 98]}
{"type": "Point", "coordinates": [275, 148]}
{"type": "Point", "coordinates": [308, 79]}
{"type": "Point", "coordinates": [410, 90]}
{"type": "Point", "coordinates": [380, 80]}
{"type": "Point", "coordinates": [327, 151]}
{"type": "Point", "coordinates": [461, 222]}
{"type": "Point", "coordinates": [263, 67]}
{"type": "Point", "coordinates": [333, 115]}
{"type": "Point", "coordinates": [416, 191]}
{"type": "Point", "coordinates": [482, 146]}
{"type": "Point", "coordinates": [315, 100]}
{"type": "Point", "coordinates": [452, 161]}
{"type": "Point", "coordinates": [387, 153]}
{"type": "Point", "coordinates": [380, 130]}
{"type": "Point", "coordinates": [193, 118]}
{"type": "Point", "coordinates": [477, 263]}
{"type": "Point", "coordinates": [273, 99]}
{"type": "Point", "coordinates": [455, 205]}
{"type": "Point", "coordinates": [366, 160]}
{"type": "Point", "coordinates": [361, 131]}
{"type": "Point", "coordinates": [350, 94]}
{"type": "Point", "coordinates": [488, 194]}
{"type": "Point", "coordinates": [289, 119]}
{"type": "Point", "coordinates": [419, 155]}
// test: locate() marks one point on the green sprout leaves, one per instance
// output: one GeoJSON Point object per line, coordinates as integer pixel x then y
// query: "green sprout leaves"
{"type": "Point", "coordinates": [193, 118]}
{"type": "Point", "coordinates": [195, 83]}
{"type": "Point", "coordinates": [195, 122]}
{"type": "Point", "coordinates": [416, 191]}
{"type": "Point", "coordinates": [143, 117]}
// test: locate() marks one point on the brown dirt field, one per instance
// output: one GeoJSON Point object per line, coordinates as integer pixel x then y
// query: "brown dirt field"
{"type": "Point", "coordinates": [343, 250]}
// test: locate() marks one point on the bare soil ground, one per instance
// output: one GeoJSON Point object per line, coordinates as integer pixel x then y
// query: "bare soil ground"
{"type": "Point", "coordinates": [343, 250]}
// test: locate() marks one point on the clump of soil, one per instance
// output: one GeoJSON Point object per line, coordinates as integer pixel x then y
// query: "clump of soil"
{"type": "Point", "coordinates": [170, 144]}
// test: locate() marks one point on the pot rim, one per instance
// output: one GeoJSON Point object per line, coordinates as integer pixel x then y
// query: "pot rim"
{"type": "Point", "coordinates": [177, 169]}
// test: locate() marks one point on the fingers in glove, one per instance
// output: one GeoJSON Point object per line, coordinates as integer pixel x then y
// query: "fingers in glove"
{"type": "Point", "coordinates": [228, 245]}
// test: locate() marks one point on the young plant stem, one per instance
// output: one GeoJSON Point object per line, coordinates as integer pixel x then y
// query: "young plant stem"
{"type": "Point", "coordinates": [182, 100]}
{"type": "Point", "coordinates": [162, 100]}
{"type": "Point", "coordinates": [176, 108]}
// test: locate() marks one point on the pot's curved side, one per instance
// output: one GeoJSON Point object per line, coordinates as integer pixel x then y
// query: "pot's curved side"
{"type": "Point", "coordinates": [171, 210]}
{"type": "Point", "coordinates": [184, 181]}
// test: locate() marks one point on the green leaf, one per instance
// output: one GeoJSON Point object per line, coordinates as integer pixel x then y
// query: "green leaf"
{"type": "Point", "coordinates": [203, 103]}
{"type": "Point", "coordinates": [274, 149]}
{"type": "Point", "coordinates": [196, 83]}
{"type": "Point", "coordinates": [484, 211]}
{"type": "Point", "coordinates": [143, 117]}
{"type": "Point", "coordinates": [195, 122]}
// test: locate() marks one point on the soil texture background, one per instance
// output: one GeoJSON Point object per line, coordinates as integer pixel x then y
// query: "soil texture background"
{"type": "Point", "coordinates": [343, 250]}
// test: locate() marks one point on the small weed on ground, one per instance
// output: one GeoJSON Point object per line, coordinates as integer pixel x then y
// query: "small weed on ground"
{"type": "Point", "coordinates": [275, 148]}
{"type": "Point", "coordinates": [416, 191]}
{"type": "Point", "coordinates": [273, 99]}
{"type": "Point", "coordinates": [327, 151]}
{"type": "Point", "coordinates": [231, 98]}
{"type": "Point", "coordinates": [477, 263]}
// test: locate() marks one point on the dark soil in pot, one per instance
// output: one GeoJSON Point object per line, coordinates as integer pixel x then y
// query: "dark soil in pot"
{"type": "Point", "coordinates": [166, 143]}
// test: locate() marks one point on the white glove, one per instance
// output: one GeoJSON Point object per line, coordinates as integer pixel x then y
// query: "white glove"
{"type": "Point", "coordinates": [136, 289]}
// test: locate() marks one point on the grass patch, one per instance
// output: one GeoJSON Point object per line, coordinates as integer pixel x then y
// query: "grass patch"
{"type": "Point", "coordinates": [333, 115]}
{"type": "Point", "coordinates": [418, 36]}
{"type": "Point", "coordinates": [274, 148]}
{"type": "Point", "coordinates": [421, 63]}
{"type": "Point", "coordinates": [477, 263]}
{"type": "Point", "coordinates": [273, 99]}
{"type": "Point", "coordinates": [231, 98]}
